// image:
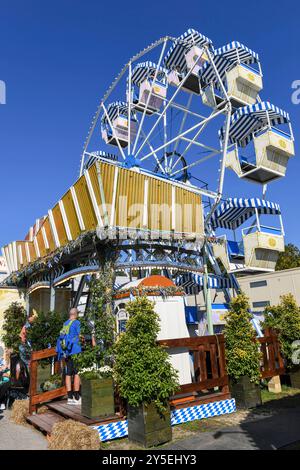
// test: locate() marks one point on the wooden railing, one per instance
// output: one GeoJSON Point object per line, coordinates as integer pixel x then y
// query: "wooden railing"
{"type": "Point", "coordinates": [208, 354]}
{"type": "Point", "coordinates": [209, 363]}
{"type": "Point", "coordinates": [35, 397]}
{"type": "Point", "coordinates": [272, 361]}
{"type": "Point", "coordinates": [210, 376]}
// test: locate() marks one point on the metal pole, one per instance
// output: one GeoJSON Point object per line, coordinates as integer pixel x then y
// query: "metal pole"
{"type": "Point", "coordinates": [52, 298]}
{"type": "Point", "coordinates": [129, 108]}
{"type": "Point", "coordinates": [207, 297]}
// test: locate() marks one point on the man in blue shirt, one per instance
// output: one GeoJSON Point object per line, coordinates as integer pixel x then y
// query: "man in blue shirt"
{"type": "Point", "coordinates": [73, 348]}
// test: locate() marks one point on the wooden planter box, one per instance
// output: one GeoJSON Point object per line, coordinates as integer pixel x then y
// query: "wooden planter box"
{"type": "Point", "coordinates": [97, 398]}
{"type": "Point", "coordinates": [295, 378]}
{"type": "Point", "coordinates": [246, 393]}
{"type": "Point", "coordinates": [147, 427]}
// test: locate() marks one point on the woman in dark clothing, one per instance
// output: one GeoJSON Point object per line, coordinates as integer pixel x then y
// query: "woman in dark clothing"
{"type": "Point", "coordinates": [4, 380]}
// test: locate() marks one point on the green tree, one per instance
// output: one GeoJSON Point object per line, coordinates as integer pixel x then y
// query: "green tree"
{"type": "Point", "coordinates": [14, 319]}
{"type": "Point", "coordinates": [142, 368]}
{"type": "Point", "coordinates": [45, 329]}
{"type": "Point", "coordinates": [241, 346]}
{"type": "Point", "coordinates": [285, 319]}
{"type": "Point", "coordinates": [98, 322]}
{"type": "Point", "coordinates": [289, 258]}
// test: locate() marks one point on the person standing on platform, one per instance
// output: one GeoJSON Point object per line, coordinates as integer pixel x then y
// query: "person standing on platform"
{"type": "Point", "coordinates": [67, 345]}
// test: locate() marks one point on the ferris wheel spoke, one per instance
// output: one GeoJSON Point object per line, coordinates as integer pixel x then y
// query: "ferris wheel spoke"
{"type": "Point", "coordinates": [197, 162]}
{"type": "Point", "coordinates": [129, 98]}
{"type": "Point", "coordinates": [149, 95]}
{"type": "Point", "coordinates": [183, 122]}
{"type": "Point", "coordinates": [154, 154]}
{"type": "Point", "coordinates": [193, 141]}
{"type": "Point", "coordinates": [168, 105]}
{"type": "Point", "coordinates": [201, 123]}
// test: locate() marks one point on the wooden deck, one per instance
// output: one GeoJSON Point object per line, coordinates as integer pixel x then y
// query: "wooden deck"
{"type": "Point", "coordinates": [74, 412]}
{"type": "Point", "coordinates": [59, 411]}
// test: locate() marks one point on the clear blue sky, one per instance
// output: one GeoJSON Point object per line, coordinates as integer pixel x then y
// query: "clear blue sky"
{"type": "Point", "coordinates": [57, 59]}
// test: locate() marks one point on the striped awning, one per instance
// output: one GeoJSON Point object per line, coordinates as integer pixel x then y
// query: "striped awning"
{"type": "Point", "coordinates": [235, 49]}
{"type": "Point", "coordinates": [116, 109]}
{"type": "Point", "coordinates": [249, 119]}
{"type": "Point", "coordinates": [192, 283]}
{"type": "Point", "coordinates": [175, 58]}
{"type": "Point", "coordinates": [235, 211]}
{"type": "Point", "coordinates": [148, 70]}
{"type": "Point", "coordinates": [225, 58]}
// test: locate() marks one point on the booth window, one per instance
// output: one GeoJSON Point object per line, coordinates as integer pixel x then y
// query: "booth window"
{"type": "Point", "coordinates": [258, 284]}
{"type": "Point", "coordinates": [264, 303]}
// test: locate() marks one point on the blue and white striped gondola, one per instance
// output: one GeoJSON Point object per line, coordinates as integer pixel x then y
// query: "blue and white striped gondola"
{"type": "Point", "coordinates": [150, 80]}
{"type": "Point", "coordinates": [240, 72]}
{"type": "Point", "coordinates": [235, 211]}
{"type": "Point", "coordinates": [186, 57]}
{"type": "Point", "coordinates": [258, 251]}
{"type": "Point", "coordinates": [147, 70]}
{"type": "Point", "coordinates": [272, 146]}
{"type": "Point", "coordinates": [114, 124]}
{"type": "Point", "coordinates": [250, 119]}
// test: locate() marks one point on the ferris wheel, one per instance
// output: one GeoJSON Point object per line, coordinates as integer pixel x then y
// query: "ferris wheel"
{"type": "Point", "coordinates": [156, 115]}
{"type": "Point", "coordinates": [187, 111]}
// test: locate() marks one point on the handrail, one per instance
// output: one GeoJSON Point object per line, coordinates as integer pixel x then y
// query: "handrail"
{"type": "Point", "coordinates": [36, 398]}
{"type": "Point", "coordinates": [272, 128]}
{"type": "Point", "coordinates": [261, 227]}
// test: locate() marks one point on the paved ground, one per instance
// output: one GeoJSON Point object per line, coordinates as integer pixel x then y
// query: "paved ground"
{"type": "Point", "coordinates": [272, 426]}
{"type": "Point", "coordinates": [265, 434]}
{"type": "Point", "coordinates": [15, 437]}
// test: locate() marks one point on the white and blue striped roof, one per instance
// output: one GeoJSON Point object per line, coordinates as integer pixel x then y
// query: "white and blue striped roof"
{"type": "Point", "coordinates": [116, 109]}
{"type": "Point", "coordinates": [235, 211]}
{"type": "Point", "coordinates": [192, 282]}
{"type": "Point", "coordinates": [234, 49]}
{"type": "Point", "coordinates": [175, 57]}
{"type": "Point", "coordinates": [225, 58]}
{"type": "Point", "coordinates": [147, 69]}
{"type": "Point", "coordinates": [249, 119]}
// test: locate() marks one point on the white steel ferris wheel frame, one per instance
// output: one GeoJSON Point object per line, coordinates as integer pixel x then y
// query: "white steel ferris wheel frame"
{"type": "Point", "coordinates": [224, 108]}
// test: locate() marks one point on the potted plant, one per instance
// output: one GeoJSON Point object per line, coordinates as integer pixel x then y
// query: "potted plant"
{"type": "Point", "coordinates": [145, 376]}
{"type": "Point", "coordinates": [97, 391]}
{"type": "Point", "coordinates": [242, 354]}
{"type": "Point", "coordinates": [285, 320]}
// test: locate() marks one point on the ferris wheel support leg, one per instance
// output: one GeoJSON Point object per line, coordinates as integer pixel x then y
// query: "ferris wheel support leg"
{"type": "Point", "coordinates": [217, 270]}
{"type": "Point", "coordinates": [207, 298]}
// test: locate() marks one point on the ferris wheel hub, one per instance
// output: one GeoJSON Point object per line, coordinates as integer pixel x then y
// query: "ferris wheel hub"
{"type": "Point", "coordinates": [131, 161]}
